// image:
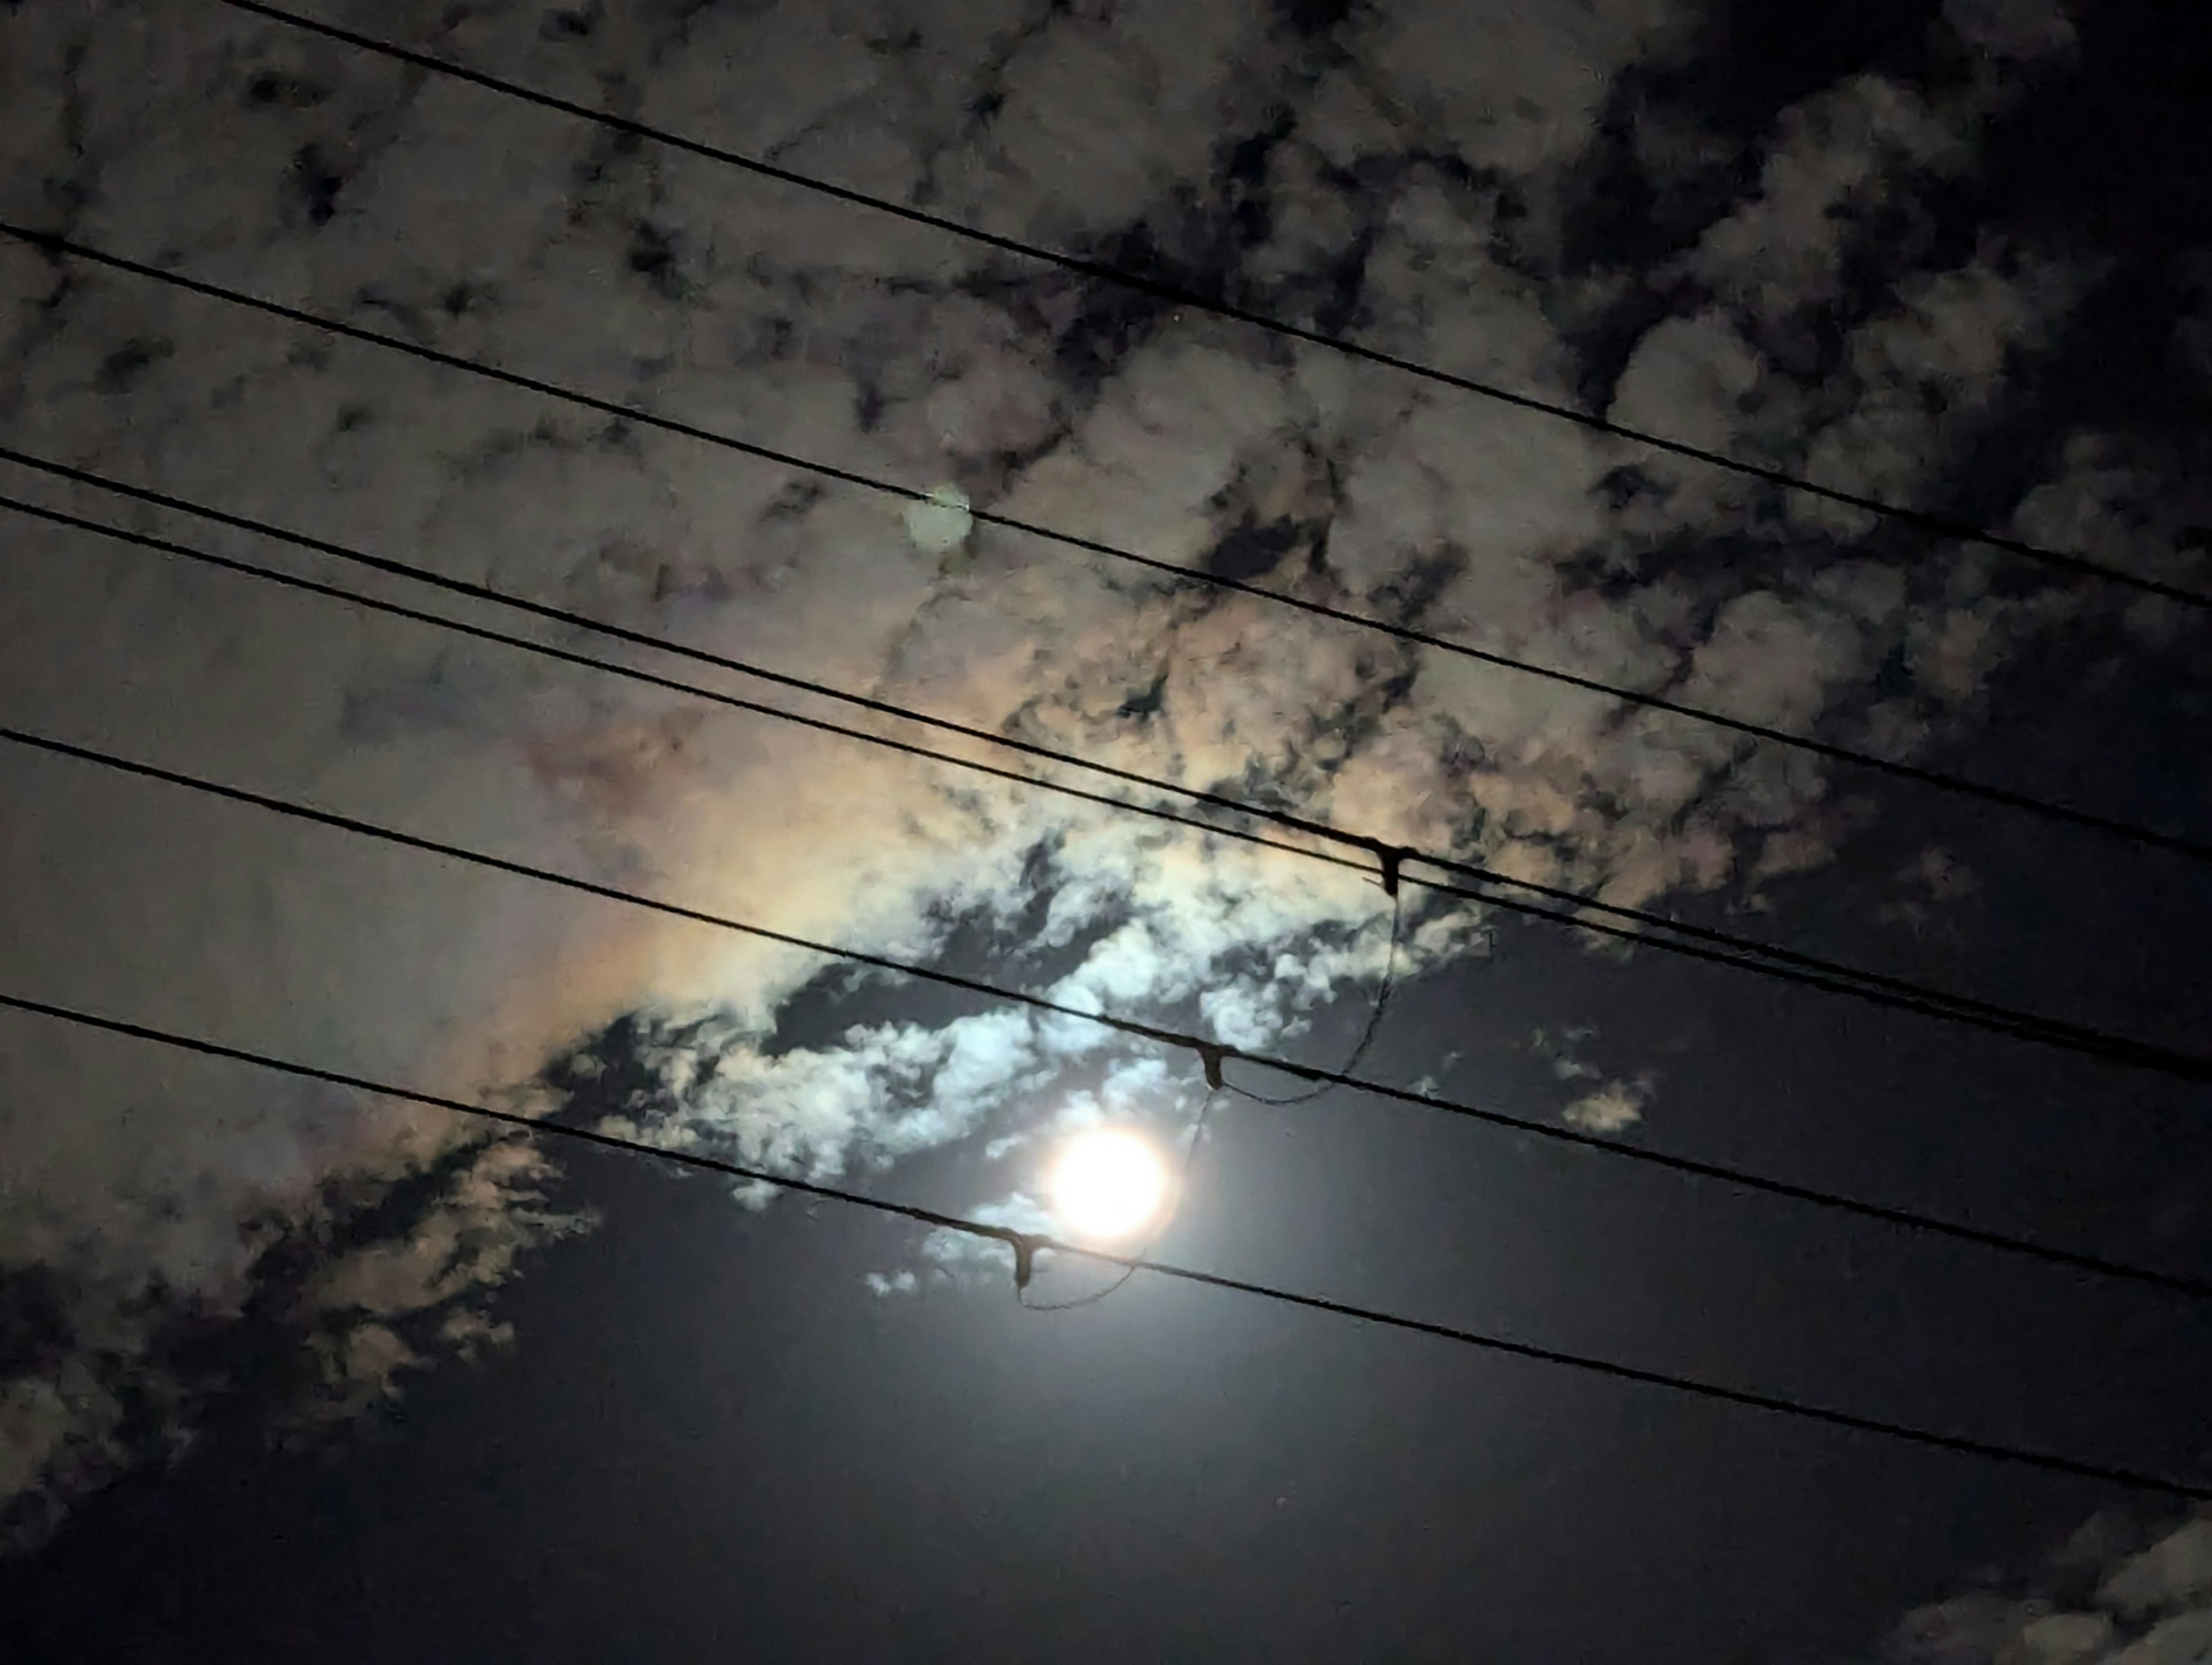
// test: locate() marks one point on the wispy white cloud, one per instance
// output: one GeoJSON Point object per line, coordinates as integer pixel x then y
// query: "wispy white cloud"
{"type": "Point", "coordinates": [243, 154]}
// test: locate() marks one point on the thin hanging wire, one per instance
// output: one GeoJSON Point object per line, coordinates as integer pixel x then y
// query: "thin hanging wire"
{"type": "Point", "coordinates": [1383, 990]}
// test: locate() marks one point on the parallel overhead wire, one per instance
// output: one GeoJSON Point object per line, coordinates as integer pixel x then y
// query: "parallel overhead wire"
{"type": "Point", "coordinates": [1026, 1245]}
{"type": "Point", "coordinates": [2196, 849]}
{"type": "Point", "coordinates": [1658, 930]}
{"type": "Point", "coordinates": [1183, 295]}
{"type": "Point", "coordinates": [1212, 1055]}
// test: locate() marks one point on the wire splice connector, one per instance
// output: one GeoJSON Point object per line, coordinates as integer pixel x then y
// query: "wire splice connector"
{"type": "Point", "coordinates": [1209, 1059]}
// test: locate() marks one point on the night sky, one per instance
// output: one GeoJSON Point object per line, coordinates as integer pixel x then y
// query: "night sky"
{"type": "Point", "coordinates": [291, 1371]}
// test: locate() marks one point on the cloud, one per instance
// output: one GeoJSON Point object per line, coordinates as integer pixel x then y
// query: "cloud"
{"type": "Point", "coordinates": [1613, 1109]}
{"type": "Point", "coordinates": [1837, 160]}
{"type": "Point", "coordinates": [175, 1195]}
{"type": "Point", "coordinates": [2114, 1595]}
{"type": "Point", "coordinates": [2015, 29]}
{"type": "Point", "coordinates": [1518, 88]}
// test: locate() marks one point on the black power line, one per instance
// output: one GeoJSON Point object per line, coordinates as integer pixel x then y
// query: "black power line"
{"type": "Point", "coordinates": [2194, 848]}
{"type": "Point", "coordinates": [1220, 306]}
{"type": "Point", "coordinates": [1025, 1245]}
{"type": "Point", "coordinates": [1745, 953]}
{"type": "Point", "coordinates": [1212, 1055]}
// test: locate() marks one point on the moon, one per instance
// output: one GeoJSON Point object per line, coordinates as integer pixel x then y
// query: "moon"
{"type": "Point", "coordinates": [1108, 1184]}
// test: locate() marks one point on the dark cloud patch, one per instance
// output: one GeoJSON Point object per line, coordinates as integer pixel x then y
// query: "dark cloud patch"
{"type": "Point", "coordinates": [975, 940]}
{"type": "Point", "coordinates": [1315, 17]}
{"type": "Point", "coordinates": [794, 501]}
{"type": "Point", "coordinates": [1146, 702]}
{"type": "Point", "coordinates": [2114, 153]}
{"type": "Point", "coordinates": [1924, 225]}
{"type": "Point", "coordinates": [1338, 286]}
{"type": "Point", "coordinates": [1412, 591]}
{"type": "Point", "coordinates": [2110, 158]}
{"type": "Point", "coordinates": [464, 298]}
{"type": "Point", "coordinates": [653, 257]}
{"type": "Point", "coordinates": [1754, 59]}
{"type": "Point", "coordinates": [1241, 170]}
{"type": "Point", "coordinates": [274, 88]}
{"type": "Point", "coordinates": [607, 1073]}
{"type": "Point", "coordinates": [1112, 320]}
{"type": "Point", "coordinates": [897, 43]}
{"type": "Point", "coordinates": [126, 363]}
{"type": "Point", "coordinates": [1253, 549]}
{"type": "Point", "coordinates": [258, 1373]}
{"type": "Point", "coordinates": [621, 1068]}
{"type": "Point", "coordinates": [1278, 505]}
{"type": "Point", "coordinates": [316, 181]}
{"type": "Point", "coordinates": [1681, 143]}
{"type": "Point", "coordinates": [568, 23]}
{"type": "Point", "coordinates": [35, 1324]}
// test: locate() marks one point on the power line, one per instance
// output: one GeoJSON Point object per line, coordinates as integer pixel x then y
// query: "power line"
{"type": "Point", "coordinates": [1025, 1245]}
{"type": "Point", "coordinates": [2194, 848]}
{"type": "Point", "coordinates": [1744, 953]}
{"type": "Point", "coordinates": [1212, 1056]}
{"type": "Point", "coordinates": [1764, 959]}
{"type": "Point", "coordinates": [1031, 1243]}
{"type": "Point", "coordinates": [1177, 294]}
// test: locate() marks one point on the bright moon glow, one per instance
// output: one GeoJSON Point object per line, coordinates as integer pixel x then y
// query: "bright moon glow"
{"type": "Point", "coordinates": [1108, 1183]}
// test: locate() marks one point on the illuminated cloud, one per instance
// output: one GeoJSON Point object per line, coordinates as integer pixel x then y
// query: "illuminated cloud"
{"type": "Point", "coordinates": [1613, 1109]}
{"type": "Point", "coordinates": [1413, 193]}
{"type": "Point", "coordinates": [2116, 1595]}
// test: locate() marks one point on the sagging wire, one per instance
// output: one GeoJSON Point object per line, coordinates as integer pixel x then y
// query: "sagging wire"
{"type": "Point", "coordinates": [1390, 856]}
